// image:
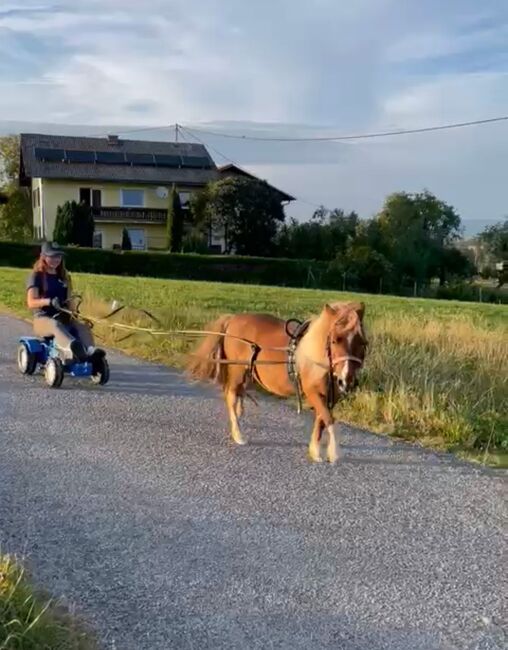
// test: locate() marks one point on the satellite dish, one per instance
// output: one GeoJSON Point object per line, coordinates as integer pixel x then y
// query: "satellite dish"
{"type": "Point", "coordinates": [162, 192]}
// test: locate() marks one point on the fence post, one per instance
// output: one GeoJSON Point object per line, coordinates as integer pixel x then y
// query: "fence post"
{"type": "Point", "coordinates": [480, 293]}
{"type": "Point", "coordinates": [415, 290]}
{"type": "Point", "coordinates": [344, 281]}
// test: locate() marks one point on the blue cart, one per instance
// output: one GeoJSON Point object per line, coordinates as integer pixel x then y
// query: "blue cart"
{"type": "Point", "coordinates": [34, 353]}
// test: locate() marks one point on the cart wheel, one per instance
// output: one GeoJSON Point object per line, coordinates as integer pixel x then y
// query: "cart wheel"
{"type": "Point", "coordinates": [100, 374]}
{"type": "Point", "coordinates": [54, 372]}
{"type": "Point", "coordinates": [27, 361]}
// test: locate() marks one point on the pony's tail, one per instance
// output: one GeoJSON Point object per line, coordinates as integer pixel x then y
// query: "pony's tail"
{"type": "Point", "coordinates": [203, 363]}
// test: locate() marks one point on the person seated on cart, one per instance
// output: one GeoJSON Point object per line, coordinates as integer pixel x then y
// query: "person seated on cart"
{"type": "Point", "coordinates": [49, 288]}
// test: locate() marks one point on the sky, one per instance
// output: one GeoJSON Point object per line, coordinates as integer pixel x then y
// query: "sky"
{"type": "Point", "coordinates": [291, 67]}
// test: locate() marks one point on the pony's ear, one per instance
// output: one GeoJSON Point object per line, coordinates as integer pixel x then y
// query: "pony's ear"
{"type": "Point", "coordinates": [329, 311]}
{"type": "Point", "coordinates": [360, 309]}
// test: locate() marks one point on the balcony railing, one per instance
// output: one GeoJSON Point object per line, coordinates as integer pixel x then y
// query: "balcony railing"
{"type": "Point", "coordinates": [130, 215]}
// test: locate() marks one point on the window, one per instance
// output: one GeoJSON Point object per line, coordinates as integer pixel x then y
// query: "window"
{"type": "Point", "coordinates": [184, 199]}
{"type": "Point", "coordinates": [96, 199]}
{"type": "Point", "coordinates": [90, 197]}
{"type": "Point", "coordinates": [97, 239]}
{"type": "Point", "coordinates": [36, 198]}
{"type": "Point", "coordinates": [85, 194]}
{"type": "Point", "coordinates": [137, 237]}
{"type": "Point", "coordinates": [132, 198]}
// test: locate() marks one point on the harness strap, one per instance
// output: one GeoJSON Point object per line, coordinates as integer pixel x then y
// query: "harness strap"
{"type": "Point", "coordinates": [295, 337]}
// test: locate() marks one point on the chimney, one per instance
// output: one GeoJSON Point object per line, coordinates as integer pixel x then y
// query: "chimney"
{"type": "Point", "coordinates": [113, 140]}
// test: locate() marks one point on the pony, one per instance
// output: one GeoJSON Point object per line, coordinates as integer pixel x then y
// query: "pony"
{"type": "Point", "coordinates": [318, 360]}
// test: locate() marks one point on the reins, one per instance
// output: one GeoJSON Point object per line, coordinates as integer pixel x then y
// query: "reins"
{"type": "Point", "coordinates": [290, 350]}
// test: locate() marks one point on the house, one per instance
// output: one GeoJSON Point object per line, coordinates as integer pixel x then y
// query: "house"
{"type": "Point", "coordinates": [126, 183]}
{"type": "Point", "coordinates": [217, 236]}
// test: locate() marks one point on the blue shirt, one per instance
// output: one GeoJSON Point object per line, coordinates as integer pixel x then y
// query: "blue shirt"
{"type": "Point", "coordinates": [49, 286]}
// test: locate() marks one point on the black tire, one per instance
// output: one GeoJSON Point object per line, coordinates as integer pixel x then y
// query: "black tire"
{"type": "Point", "coordinates": [100, 374]}
{"type": "Point", "coordinates": [54, 372]}
{"type": "Point", "coordinates": [27, 361]}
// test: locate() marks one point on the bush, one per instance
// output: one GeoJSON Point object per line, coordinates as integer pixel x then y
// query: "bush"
{"type": "Point", "coordinates": [175, 222]}
{"type": "Point", "coordinates": [471, 293]}
{"type": "Point", "coordinates": [126, 240]}
{"type": "Point", "coordinates": [74, 224]}
{"type": "Point", "coordinates": [219, 268]}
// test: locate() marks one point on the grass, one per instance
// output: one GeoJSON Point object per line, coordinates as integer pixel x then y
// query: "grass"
{"type": "Point", "coordinates": [29, 621]}
{"type": "Point", "coordinates": [436, 370]}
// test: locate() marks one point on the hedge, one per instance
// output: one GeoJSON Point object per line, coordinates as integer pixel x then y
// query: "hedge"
{"type": "Point", "coordinates": [220, 268]}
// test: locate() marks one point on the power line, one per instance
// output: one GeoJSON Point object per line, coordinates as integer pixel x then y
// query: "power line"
{"type": "Point", "coordinates": [145, 128]}
{"type": "Point", "coordinates": [187, 132]}
{"type": "Point", "coordinates": [360, 136]}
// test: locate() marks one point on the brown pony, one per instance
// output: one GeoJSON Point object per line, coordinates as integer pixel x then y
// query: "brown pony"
{"type": "Point", "coordinates": [257, 347]}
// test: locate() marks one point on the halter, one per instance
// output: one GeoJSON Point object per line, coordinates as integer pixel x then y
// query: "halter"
{"type": "Point", "coordinates": [295, 337]}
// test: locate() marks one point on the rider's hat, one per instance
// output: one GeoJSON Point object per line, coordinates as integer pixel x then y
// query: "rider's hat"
{"type": "Point", "coordinates": [49, 249]}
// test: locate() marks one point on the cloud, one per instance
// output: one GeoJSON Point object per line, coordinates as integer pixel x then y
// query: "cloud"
{"type": "Point", "coordinates": [276, 66]}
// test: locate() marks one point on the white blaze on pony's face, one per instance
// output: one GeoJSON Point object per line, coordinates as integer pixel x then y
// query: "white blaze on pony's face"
{"type": "Point", "coordinates": [347, 343]}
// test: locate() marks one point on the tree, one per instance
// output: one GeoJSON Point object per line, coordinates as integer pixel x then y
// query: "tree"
{"type": "Point", "coordinates": [175, 222]}
{"type": "Point", "coordinates": [249, 212]}
{"type": "Point", "coordinates": [321, 238]}
{"type": "Point", "coordinates": [415, 229]}
{"type": "Point", "coordinates": [74, 224]}
{"type": "Point", "coordinates": [495, 239]}
{"type": "Point", "coordinates": [84, 226]}
{"type": "Point", "coordinates": [64, 224]}
{"type": "Point", "coordinates": [16, 213]}
{"type": "Point", "coordinates": [126, 240]}
{"type": "Point", "coordinates": [361, 267]}
{"type": "Point", "coordinates": [454, 264]}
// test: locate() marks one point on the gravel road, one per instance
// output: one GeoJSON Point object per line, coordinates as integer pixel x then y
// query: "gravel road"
{"type": "Point", "coordinates": [129, 501]}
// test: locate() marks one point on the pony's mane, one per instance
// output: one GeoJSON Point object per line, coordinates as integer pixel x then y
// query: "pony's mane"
{"type": "Point", "coordinates": [311, 351]}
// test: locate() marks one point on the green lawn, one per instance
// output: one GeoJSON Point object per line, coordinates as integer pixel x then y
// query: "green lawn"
{"type": "Point", "coordinates": [436, 370]}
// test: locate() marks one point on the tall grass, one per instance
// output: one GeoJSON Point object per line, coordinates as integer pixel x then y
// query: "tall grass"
{"type": "Point", "coordinates": [435, 371]}
{"type": "Point", "coordinates": [29, 621]}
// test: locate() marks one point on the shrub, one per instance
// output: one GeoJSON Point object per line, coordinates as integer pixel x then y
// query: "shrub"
{"type": "Point", "coordinates": [126, 240]}
{"type": "Point", "coordinates": [74, 224]}
{"type": "Point", "coordinates": [220, 268]}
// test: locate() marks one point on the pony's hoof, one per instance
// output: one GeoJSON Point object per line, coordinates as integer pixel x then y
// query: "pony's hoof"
{"type": "Point", "coordinates": [240, 441]}
{"type": "Point", "coordinates": [315, 456]}
{"type": "Point", "coordinates": [332, 458]}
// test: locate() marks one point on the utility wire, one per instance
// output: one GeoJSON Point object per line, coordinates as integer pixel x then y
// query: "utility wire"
{"type": "Point", "coordinates": [361, 136]}
{"type": "Point", "coordinates": [144, 128]}
{"type": "Point", "coordinates": [187, 132]}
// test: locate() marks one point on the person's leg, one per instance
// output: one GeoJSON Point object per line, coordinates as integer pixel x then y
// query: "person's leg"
{"type": "Point", "coordinates": [44, 326]}
{"type": "Point", "coordinates": [84, 333]}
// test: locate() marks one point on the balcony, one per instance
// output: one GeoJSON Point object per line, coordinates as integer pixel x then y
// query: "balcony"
{"type": "Point", "coordinates": [129, 215]}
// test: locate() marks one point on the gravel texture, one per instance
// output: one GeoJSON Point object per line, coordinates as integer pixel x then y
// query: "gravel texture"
{"type": "Point", "coordinates": [130, 502]}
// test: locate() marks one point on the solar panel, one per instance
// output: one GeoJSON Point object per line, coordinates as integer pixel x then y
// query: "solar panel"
{"type": "Point", "coordinates": [76, 156]}
{"type": "Point", "coordinates": [163, 160]}
{"type": "Point", "coordinates": [110, 157]}
{"type": "Point", "coordinates": [196, 162]}
{"type": "Point", "coordinates": [140, 159]}
{"type": "Point", "coordinates": [49, 155]}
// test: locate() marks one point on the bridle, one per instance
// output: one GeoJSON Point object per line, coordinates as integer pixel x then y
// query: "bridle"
{"type": "Point", "coordinates": [331, 365]}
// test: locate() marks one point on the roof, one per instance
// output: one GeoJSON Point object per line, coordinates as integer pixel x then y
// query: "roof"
{"type": "Point", "coordinates": [35, 166]}
{"type": "Point", "coordinates": [234, 170]}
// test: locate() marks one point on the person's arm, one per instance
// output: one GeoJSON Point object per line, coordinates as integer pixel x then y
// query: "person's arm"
{"type": "Point", "coordinates": [33, 301]}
